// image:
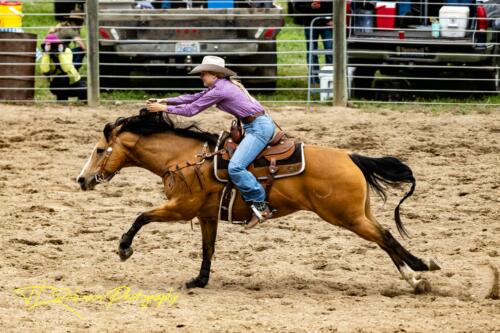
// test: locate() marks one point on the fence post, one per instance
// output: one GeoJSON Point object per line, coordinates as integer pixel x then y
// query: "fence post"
{"type": "Point", "coordinates": [339, 50]}
{"type": "Point", "coordinates": [92, 52]}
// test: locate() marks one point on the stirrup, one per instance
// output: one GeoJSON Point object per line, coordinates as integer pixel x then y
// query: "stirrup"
{"type": "Point", "coordinates": [262, 215]}
{"type": "Point", "coordinates": [259, 216]}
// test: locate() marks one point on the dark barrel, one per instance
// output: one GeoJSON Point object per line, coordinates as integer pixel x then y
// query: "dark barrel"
{"type": "Point", "coordinates": [17, 65]}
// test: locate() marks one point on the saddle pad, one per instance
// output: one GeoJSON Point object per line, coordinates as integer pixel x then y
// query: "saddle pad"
{"type": "Point", "coordinates": [226, 204]}
{"type": "Point", "coordinates": [291, 166]}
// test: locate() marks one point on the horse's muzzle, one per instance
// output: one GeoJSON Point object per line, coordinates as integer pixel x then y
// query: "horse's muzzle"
{"type": "Point", "coordinates": [86, 185]}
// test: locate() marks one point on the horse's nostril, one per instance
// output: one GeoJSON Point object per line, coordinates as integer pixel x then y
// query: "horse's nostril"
{"type": "Point", "coordinates": [80, 180]}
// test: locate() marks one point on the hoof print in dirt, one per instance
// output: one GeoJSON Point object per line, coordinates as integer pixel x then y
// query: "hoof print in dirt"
{"type": "Point", "coordinates": [422, 287]}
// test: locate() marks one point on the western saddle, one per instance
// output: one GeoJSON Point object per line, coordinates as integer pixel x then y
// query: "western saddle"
{"type": "Point", "coordinates": [279, 148]}
{"type": "Point", "coordinates": [283, 157]}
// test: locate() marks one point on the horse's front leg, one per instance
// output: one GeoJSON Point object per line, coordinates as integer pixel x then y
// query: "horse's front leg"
{"type": "Point", "coordinates": [208, 233]}
{"type": "Point", "coordinates": [168, 212]}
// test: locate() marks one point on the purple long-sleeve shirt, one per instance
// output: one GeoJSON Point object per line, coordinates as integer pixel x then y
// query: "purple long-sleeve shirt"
{"type": "Point", "coordinates": [225, 95]}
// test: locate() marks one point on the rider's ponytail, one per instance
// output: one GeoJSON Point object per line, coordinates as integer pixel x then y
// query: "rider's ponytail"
{"type": "Point", "coordinates": [242, 88]}
{"type": "Point", "coordinates": [238, 84]}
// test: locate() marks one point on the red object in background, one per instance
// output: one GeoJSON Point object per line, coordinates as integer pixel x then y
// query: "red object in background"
{"type": "Point", "coordinates": [269, 33]}
{"type": "Point", "coordinates": [104, 34]}
{"type": "Point", "coordinates": [385, 14]}
{"type": "Point", "coordinates": [401, 35]}
{"type": "Point", "coordinates": [348, 12]}
{"type": "Point", "coordinates": [482, 19]}
{"type": "Point", "coordinates": [10, 3]}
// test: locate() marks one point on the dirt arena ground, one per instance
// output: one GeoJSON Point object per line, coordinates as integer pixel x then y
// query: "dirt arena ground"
{"type": "Point", "coordinates": [295, 274]}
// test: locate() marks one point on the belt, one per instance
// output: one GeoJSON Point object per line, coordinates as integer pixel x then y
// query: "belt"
{"type": "Point", "coordinates": [250, 118]}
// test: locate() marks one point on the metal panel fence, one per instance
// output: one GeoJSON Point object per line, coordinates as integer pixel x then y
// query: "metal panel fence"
{"type": "Point", "coordinates": [441, 50]}
{"type": "Point", "coordinates": [425, 51]}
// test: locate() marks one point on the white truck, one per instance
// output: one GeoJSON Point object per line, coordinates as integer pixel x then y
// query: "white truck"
{"type": "Point", "coordinates": [170, 41]}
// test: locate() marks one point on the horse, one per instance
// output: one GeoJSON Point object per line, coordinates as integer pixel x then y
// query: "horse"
{"type": "Point", "coordinates": [335, 185]}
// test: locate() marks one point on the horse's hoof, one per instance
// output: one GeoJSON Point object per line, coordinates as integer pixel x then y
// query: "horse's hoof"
{"type": "Point", "coordinates": [433, 264]}
{"type": "Point", "coordinates": [125, 253]}
{"type": "Point", "coordinates": [196, 283]}
{"type": "Point", "coordinates": [422, 286]}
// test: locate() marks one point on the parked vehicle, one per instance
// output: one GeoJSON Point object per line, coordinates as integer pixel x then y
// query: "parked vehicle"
{"type": "Point", "coordinates": [463, 41]}
{"type": "Point", "coordinates": [171, 41]}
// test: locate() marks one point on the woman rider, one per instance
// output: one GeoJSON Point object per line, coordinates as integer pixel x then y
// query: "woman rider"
{"type": "Point", "coordinates": [230, 96]}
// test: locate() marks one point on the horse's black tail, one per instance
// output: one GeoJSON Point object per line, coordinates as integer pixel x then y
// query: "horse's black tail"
{"type": "Point", "coordinates": [386, 170]}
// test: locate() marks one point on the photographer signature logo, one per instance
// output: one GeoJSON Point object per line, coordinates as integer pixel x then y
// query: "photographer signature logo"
{"type": "Point", "coordinates": [40, 295]}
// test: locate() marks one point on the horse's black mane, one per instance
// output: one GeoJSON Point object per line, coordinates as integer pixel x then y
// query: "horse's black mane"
{"type": "Point", "coordinates": [147, 123]}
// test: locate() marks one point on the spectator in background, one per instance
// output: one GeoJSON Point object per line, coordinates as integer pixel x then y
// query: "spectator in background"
{"type": "Point", "coordinates": [62, 8]}
{"type": "Point", "coordinates": [322, 28]}
{"type": "Point", "coordinates": [57, 64]}
{"type": "Point", "coordinates": [68, 31]}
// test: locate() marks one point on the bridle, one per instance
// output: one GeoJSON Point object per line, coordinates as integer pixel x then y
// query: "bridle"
{"type": "Point", "coordinates": [175, 169]}
{"type": "Point", "coordinates": [99, 178]}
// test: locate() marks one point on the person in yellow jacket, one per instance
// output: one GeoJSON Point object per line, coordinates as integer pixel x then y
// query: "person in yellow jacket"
{"type": "Point", "coordinates": [68, 31]}
{"type": "Point", "coordinates": [57, 64]}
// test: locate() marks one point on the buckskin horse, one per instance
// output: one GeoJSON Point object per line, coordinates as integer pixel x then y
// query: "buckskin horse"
{"type": "Point", "coordinates": [335, 185]}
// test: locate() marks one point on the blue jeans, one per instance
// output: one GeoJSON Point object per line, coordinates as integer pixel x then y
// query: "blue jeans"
{"type": "Point", "coordinates": [78, 55]}
{"type": "Point", "coordinates": [257, 135]}
{"type": "Point", "coordinates": [326, 35]}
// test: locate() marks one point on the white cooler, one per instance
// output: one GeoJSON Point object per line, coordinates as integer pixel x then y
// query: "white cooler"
{"type": "Point", "coordinates": [454, 21]}
{"type": "Point", "coordinates": [326, 82]}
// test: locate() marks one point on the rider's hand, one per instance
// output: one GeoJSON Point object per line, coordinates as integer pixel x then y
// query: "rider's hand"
{"type": "Point", "coordinates": [155, 107]}
{"type": "Point", "coordinates": [47, 47]}
{"type": "Point", "coordinates": [316, 4]}
{"type": "Point", "coordinates": [154, 100]}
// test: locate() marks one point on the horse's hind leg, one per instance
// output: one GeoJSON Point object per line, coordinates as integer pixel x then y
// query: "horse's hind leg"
{"type": "Point", "coordinates": [392, 246]}
{"type": "Point", "coordinates": [407, 263]}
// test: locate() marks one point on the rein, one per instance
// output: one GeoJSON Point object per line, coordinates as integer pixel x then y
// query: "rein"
{"type": "Point", "coordinates": [202, 157]}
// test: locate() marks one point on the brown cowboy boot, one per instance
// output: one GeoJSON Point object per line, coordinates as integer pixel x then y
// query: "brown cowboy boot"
{"type": "Point", "coordinates": [261, 212]}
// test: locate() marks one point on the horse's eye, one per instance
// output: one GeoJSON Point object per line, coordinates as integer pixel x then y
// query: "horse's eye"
{"type": "Point", "coordinates": [99, 150]}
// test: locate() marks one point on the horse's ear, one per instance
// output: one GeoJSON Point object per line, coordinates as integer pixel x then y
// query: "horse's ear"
{"type": "Point", "coordinates": [107, 130]}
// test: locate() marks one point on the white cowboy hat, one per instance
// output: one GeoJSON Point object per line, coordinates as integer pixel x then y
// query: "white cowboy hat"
{"type": "Point", "coordinates": [213, 64]}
